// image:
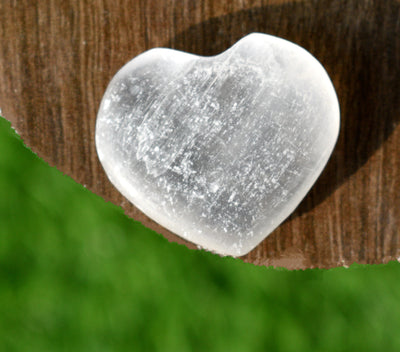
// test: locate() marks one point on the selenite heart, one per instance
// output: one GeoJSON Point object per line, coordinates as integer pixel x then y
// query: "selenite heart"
{"type": "Point", "coordinates": [219, 150]}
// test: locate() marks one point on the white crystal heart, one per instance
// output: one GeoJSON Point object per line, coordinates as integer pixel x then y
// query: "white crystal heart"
{"type": "Point", "coordinates": [219, 150]}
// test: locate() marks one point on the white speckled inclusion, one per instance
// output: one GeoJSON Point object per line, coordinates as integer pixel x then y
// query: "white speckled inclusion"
{"type": "Point", "coordinates": [219, 150]}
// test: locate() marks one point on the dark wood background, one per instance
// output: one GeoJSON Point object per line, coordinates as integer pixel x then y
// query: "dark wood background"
{"type": "Point", "coordinates": [57, 57]}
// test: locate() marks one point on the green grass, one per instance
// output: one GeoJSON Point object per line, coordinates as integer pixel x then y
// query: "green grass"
{"type": "Point", "coordinates": [77, 275]}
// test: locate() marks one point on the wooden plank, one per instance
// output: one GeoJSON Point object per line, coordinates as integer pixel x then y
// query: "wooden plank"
{"type": "Point", "coordinates": [57, 57]}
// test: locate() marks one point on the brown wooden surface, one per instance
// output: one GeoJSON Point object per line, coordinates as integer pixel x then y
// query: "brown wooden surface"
{"type": "Point", "coordinates": [57, 57]}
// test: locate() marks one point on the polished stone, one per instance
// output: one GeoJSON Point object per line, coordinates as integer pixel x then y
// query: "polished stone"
{"type": "Point", "coordinates": [219, 150]}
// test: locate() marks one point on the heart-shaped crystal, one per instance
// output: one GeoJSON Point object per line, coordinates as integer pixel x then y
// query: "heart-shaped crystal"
{"type": "Point", "coordinates": [219, 150]}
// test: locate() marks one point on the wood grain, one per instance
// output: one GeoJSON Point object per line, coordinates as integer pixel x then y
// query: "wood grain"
{"type": "Point", "coordinates": [57, 57]}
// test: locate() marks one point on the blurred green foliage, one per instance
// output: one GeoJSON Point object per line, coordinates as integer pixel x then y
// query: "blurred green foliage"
{"type": "Point", "coordinates": [77, 275]}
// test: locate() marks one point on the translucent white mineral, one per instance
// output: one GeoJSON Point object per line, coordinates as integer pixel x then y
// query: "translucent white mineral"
{"type": "Point", "coordinates": [219, 150]}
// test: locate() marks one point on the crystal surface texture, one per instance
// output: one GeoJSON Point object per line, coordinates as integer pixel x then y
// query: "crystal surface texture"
{"type": "Point", "coordinates": [219, 150]}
